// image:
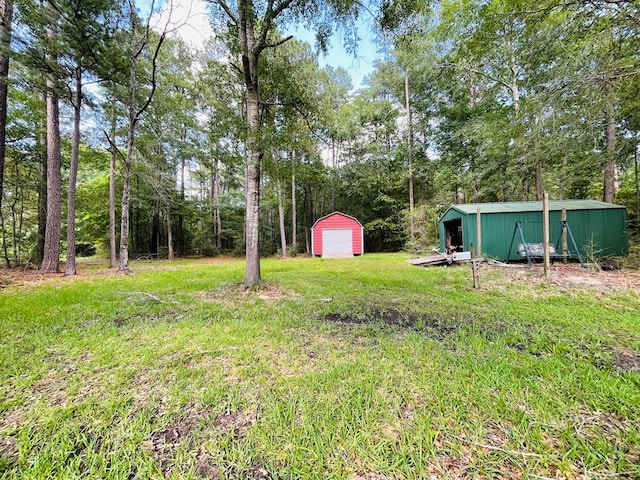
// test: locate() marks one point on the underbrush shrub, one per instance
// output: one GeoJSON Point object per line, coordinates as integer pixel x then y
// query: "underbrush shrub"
{"type": "Point", "coordinates": [425, 228]}
{"type": "Point", "coordinates": [85, 249]}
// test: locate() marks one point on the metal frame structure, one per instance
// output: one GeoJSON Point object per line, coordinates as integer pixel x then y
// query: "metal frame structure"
{"type": "Point", "coordinates": [564, 227]}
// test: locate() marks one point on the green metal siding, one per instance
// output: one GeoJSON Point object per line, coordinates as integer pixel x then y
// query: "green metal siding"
{"type": "Point", "coordinates": [597, 230]}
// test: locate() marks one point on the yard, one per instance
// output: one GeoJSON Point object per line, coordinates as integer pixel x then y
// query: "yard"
{"type": "Point", "coordinates": [363, 368]}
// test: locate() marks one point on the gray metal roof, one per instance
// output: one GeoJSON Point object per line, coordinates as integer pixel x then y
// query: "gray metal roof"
{"type": "Point", "coordinates": [471, 208]}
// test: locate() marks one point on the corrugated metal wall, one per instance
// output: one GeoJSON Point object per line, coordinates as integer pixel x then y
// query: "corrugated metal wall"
{"type": "Point", "coordinates": [601, 232]}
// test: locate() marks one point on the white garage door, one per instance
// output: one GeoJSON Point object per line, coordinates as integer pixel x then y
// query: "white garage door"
{"type": "Point", "coordinates": [337, 243]}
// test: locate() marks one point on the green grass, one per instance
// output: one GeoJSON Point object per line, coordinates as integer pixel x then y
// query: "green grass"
{"type": "Point", "coordinates": [352, 369]}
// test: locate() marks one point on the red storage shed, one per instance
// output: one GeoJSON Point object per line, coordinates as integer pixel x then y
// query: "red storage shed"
{"type": "Point", "coordinates": [337, 236]}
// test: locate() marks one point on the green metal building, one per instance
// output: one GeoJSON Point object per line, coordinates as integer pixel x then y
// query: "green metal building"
{"type": "Point", "coordinates": [599, 229]}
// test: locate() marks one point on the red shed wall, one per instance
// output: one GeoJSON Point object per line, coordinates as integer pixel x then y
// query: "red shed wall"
{"type": "Point", "coordinates": [337, 221]}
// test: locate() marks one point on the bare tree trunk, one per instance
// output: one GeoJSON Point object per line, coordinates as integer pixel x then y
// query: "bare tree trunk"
{"type": "Point", "coordinates": [112, 196]}
{"type": "Point", "coordinates": [212, 201]}
{"type": "Point", "coordinates": [170, 254]}
{"type": "Point", "coordinates": [474, 189]}
{"type": "Point", "coordinates": [128, 162]}
{"type": "Point", "coordinates": [294, 216]}
{"type": "Point", "coordinates": [14, 226]}
{"type": "Point", "coordinates": [70, 265]}
{"type": "Point", "coordinates": [334, 180]}
{"type": "Point", "coordinates": [283, 233]}
{"type": "Point", "coordinates": [216, 199]}
{"type": "Point", "coordinates": [123, 265]}
{"type": "Point", "coordinates": [6, 18]}
{"type": "Point", "coordinates": [409, 153]}
{"type": "Point", "coordinates": [308, 198]}
{"type": "Point", "coordinates": [539, 192]}
{"type": "Point", "coordinates": [180, 244]}
{"type": "Point", "coordinates": [135, 113]}
{"type": "Point", "coordinates": [42, 197]}
{"type": "Point", "coordinates": [538, 160]}
{"type": "Point", "coordinates": [252, 270]}
{"type": "Point", "coordinates": [51, 258]}
{"type": "Point", "coordinates": [609, 190]}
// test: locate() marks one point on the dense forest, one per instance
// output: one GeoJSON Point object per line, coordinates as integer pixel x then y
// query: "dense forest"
{"type": "Point", "coordinates": [117, 137]}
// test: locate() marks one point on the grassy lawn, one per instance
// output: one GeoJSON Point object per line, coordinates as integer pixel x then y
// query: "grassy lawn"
{"type": "Point", "coordinates": [364, 368]}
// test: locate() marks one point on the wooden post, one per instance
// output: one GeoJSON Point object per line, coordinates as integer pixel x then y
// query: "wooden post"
{"type": "Point", "coordinates": [565, 245]}
{"type": "Point", "coordinates": [479, 234]}
{"type": "Point", "coordinates": [475, 267]}
{"type": "Point", "coordinates": [545, 233]}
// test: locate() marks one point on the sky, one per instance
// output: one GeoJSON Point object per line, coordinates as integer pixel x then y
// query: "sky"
{"type": "Point", "coordinates": [358, 66]}
{"type": "Point", "coordinates": [191, 21]}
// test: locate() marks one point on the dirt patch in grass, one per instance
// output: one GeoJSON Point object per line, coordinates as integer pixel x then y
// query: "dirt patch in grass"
{"type": "Point", "coordinates": [88, 268]}
{"type": "Point", "coordinates": [627, 360]}
{"type": "Point", "coordinates": [434, 326]}
{"type": "Point", "coordinates": [10, 419]}
{"type": "Point", "coordinates": [206, 468]}
{"type": "Point", "coordinates": [596, 425]}
{"type": "Point", "coordinates": [30, 276]}
{"type": "Point", "coordinates": [164, 443]}
{"type": "Point", "coordinates": [8, 452]}
{"type": "Point", "coordinates": [236, 422]}
{"type": "Point", "coordinates": [52, 389]}
{"type": "Point", "coordinates": [563, 277]}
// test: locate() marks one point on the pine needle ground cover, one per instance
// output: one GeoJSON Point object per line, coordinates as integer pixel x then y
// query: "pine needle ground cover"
{"type": "Point", "coordinates": [364, 368]}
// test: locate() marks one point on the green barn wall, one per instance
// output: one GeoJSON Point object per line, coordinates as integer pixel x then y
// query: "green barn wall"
{"type": "Point", "coordinates": [599, 232]}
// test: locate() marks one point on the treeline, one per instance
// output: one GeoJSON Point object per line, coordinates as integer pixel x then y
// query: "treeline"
{"type": "Point", "coordinates": [120, 137]}
{"type": "Point", "coordinates": [517, 97]}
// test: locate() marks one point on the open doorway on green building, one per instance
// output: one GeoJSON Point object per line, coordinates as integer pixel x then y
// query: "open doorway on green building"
{"type": "Point", "coordinates": [453, 235]}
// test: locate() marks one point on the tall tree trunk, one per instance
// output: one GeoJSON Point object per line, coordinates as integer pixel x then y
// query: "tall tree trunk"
{"type": "Point", "coordinates": [128, 161]}
{"type": "Point", "coordinates": [216, 200]}
{"type": "Point", "coordinates": [409, 153]}
{"type": "Point", "coordinates": [538, 159]}
{"type": "Point", "coordinates": [308, 198]}
{"type": "Point", "coordinates": [609, 190]}
{"type": "Point", "coordinates": [6, 18]}
{"type": "Point", "coordinates": [154, 241]}
{"type": "Point", "coordinates": [15, 240]}
{"type": "Point", "coordinates": [170, 254]}
{"type": "Point", "coordinates": [51, 252]}
{"type": "Point", "coordinates": [135, 113]}
{"type": "Point", "coordinates": [180, 244]}
{"type": "Point", "coordinates": [112, 195]}
{"type": "Point", "coordinates": [334, 175]}
{"type": "Point", "coordinates": [252, 270]}
{"type": "Point", "coordinates": [42, 196]}
{"type": "Point", "coordinates": [283, 233]}
{"type": "Point", "coordinates": [123, 265]}
{"type": "Point", "coordinates": [70, 265]}
{"type": "Point", "coordinates": [51, 258]}
{"type": "Point", "coordinates": [294, 215]}
{"type": "Point", "coordinates": [539, 191]}
{"type": "Point", "coordinates": [514, 88]}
